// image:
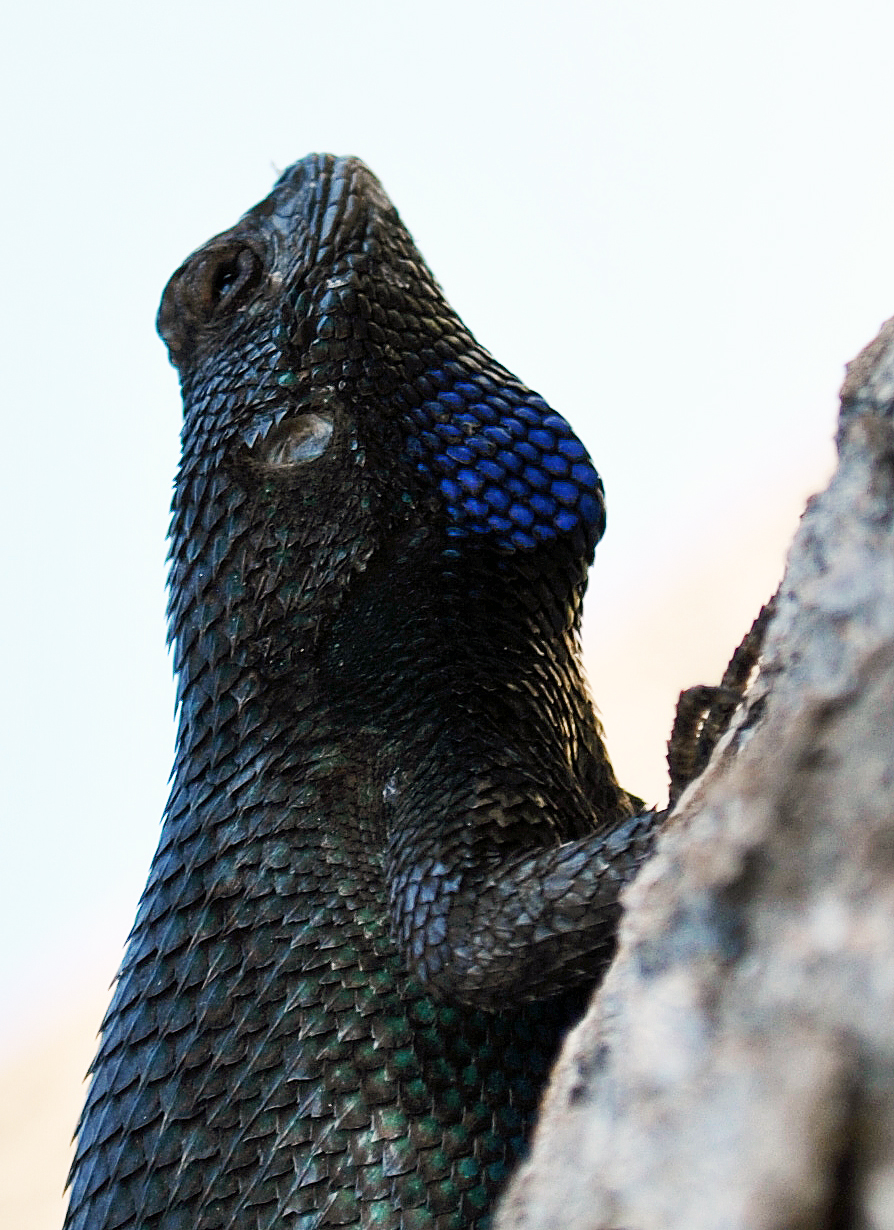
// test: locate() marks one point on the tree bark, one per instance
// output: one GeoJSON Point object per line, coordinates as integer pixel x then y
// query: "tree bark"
{"type": "Point", "coordinates": [736, 1067]}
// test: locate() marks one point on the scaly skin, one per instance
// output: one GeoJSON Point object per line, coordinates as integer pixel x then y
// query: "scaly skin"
{"type": "Point", "coordinates": [390, 862]}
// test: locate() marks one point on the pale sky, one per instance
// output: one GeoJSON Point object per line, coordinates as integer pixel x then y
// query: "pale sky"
{"type": "Point", "coordinates": [672, 221]}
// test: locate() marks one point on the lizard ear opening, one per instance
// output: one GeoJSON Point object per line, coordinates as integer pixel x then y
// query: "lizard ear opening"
{"type": "Point", "coordinates": [294, 442]}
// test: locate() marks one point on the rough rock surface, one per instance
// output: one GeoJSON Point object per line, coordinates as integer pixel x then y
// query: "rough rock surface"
{"type": "Point", "coordinates": [736, 1068]}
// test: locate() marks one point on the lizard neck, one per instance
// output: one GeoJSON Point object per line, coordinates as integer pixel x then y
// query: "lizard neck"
{"type": "Point", "coordinates": [429, 671]}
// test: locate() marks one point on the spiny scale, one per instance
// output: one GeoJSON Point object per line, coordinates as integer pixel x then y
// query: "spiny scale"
{"type": "Point", "coordinates": [390, 861]}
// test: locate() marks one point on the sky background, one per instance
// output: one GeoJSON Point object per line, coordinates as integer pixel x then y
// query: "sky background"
{"type": "Point", "coordinates": [673, 221]}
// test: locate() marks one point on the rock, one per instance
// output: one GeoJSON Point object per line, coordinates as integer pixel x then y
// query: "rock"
{"type": "Point", "coordinates": [736, 1067]}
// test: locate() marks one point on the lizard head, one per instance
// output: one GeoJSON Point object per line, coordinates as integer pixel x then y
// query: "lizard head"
{"type": "Point", "coordinates": [337, 411]}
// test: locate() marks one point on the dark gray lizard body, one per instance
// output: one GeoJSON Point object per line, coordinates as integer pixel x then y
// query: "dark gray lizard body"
{"type": "Point", "coordinates": [394, 843]}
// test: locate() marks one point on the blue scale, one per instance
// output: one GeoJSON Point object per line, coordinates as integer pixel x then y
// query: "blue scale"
{"type": "Point", "coordinates": [509, 468]}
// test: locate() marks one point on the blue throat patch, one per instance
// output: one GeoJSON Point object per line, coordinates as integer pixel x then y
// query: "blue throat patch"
{"type": "Point", "coordinates": [506, 464]}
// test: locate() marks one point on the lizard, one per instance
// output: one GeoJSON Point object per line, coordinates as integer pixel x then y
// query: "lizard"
{"type": "Point", "coordinates": [389, 867]}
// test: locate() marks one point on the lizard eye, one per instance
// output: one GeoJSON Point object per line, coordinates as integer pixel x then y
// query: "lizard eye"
{"type": "Point", "coordinates": [212, 283]}
{"type": "Point", "coordinates": [230, 277]}
{"type": "Point", "coordinates": [224, 280]}
{"type": "Point", "coordinates": [292, 443]}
